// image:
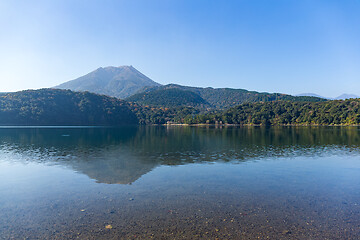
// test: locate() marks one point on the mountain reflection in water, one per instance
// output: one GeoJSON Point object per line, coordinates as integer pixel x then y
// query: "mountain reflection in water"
{"type": "Point", "coordinates": [123, 155]}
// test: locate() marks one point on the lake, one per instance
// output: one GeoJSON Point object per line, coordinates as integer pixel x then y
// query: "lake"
{"type": "Point", "coordinates": [180, 182]}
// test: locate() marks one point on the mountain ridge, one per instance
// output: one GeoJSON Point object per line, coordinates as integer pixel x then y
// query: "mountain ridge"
{"type": "Point", "coordinates": [310, 95]}
{"type": "Point", "coordinates": [48, 107]}
{"type": "Point", "coordinates": [218, 98]}
{"type": "Point", "coordinates": [120, 82]}
{"type": "Point", "coordinates": [171, 97]}
{"type": "Point", "coordinates": [126, 82]}
{"type": "Point", "coordinates": [343, 96]}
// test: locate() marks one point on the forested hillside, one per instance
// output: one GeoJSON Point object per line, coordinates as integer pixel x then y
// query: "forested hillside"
{"type": "Point", "coordinates": [337, 112]}
{"type": "Point", "coordinates": [161, 115]}
{"type": "Point", "coordinates": [63, 107]}
{"type": "Point", "coordinates": [170, 97]}
{"type": "Point", "coordinates": [217, 98]}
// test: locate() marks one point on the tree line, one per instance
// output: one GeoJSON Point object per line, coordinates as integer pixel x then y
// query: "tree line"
{"type": "Point", "coordinates": [336, 112]}
{"type": "Point", "coordinates": [65, 107]}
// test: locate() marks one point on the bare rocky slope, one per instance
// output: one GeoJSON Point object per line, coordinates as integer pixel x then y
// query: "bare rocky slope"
{"type": "Point", "coordinates": [120, 82]}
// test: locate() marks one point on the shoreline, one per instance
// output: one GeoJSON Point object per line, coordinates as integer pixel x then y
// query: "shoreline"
{"type": "Point", "coordinates": [257, 125]}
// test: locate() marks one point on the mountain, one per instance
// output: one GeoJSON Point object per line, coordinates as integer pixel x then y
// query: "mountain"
{"type": "Point", "coordinates": [341, 97]}
{"type": "Point", "coordinates": [63, 108]}
{"type": "Point", "coordinates": [169, 97]}
{"type": "Point", "coordinates": [119, 82]}
{"type": "Point", "coordinates": [57, 107]}
{"type": "Point", "coordinates": [219, 98]}
{"type": "Point", "coordinates": [346, 96]}
{"type": "Point", "coordinates": [311, 95]}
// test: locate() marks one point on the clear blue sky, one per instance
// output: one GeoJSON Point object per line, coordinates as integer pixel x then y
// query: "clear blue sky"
{"type": "Point", "coordinates": [287, 46]}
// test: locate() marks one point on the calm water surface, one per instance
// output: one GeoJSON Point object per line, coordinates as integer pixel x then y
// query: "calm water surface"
{"type": "Point", "coordinates": [180, 183]}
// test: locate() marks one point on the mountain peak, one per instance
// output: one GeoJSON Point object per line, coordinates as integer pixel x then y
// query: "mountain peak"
{"type": "Point", "coordinates": [120, 82]}
{"type": "Point", "coordinates": [310, 95]}
{"type": "Point", "coordinates": [346, 96]}
{"type": "Point", "coordinates": [343, 96]}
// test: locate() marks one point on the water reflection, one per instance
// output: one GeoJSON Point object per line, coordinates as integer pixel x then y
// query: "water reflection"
{"type": "Point", "coordinates": [123, 155]}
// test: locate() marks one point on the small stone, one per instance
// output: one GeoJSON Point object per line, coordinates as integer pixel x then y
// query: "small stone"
{"type": "Point", "coordinates": [108, 226]}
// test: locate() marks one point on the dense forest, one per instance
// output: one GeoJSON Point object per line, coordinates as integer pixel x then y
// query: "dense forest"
{"type": "Point", "coordinates": [63, 107]}
{"type": "Point", "coordinates": [216, 98]}
{"type": "Point", "coordinates": [162, 115]}
{"type": "Point", "coordinates": [337, 112]}
{"type": "Point", "coordinates": [170, 97]}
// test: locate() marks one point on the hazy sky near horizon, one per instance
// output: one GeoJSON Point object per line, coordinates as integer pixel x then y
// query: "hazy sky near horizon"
{"type": "Point", "coordinates": [286, 46]}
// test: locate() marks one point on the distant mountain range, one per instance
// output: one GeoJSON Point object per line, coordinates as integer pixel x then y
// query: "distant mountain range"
{"type": "Point", "coordinates": [120, 82]}
{"type": "Point", "coordinates": [310, 95]}
{"type": "Point", "coordinates": [341, 97]}
{"type": "Point", "coordinates": [126, 82]}
{"type": "Point", "coordinates": [346, 96]}
{"type": "Point", "coordinates": [93, 100]}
